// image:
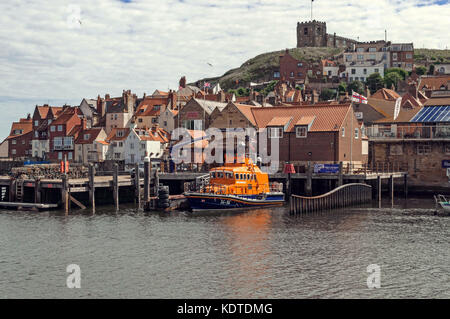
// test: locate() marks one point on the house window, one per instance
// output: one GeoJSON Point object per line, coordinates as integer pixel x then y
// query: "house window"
{"type": "Point", "coordinates": [115, 116]}
{"type": "Point", "coordinates": [343, 132]}
{"type": "Point", "coordinates": [377, 70]}
{"type": "Point", "coordinates": [276, 132]}
{"type": "Point", "coordinates": [87, 137]}
{"type": "Point", "coordinates": [13, 152]}
{"type": "Point", "coordinates": [23, 142]}
{"type": "Point", "coordinates": [353, 71]}
{"type": "Point", "coordinates": [394, 56]}
{"type": "Point", "coordinates": [132, 146]}
{"type": "Point", "coordinates": [154, 120]}
{"type": "Point", "coordinates": [356, 133]}
{"type": "Point", "coordinates": [301, 131]}
{"type": "Point", "coordinates": [60, 155]}
{"type": "Point", "coordinates": [60, 128]}
{"type": "Point", "coordinates": [305, 31]}
{"type": "Point", "coordinates": [300, 64]}
{"type": "Point", "coordinates": [119, 133]}
{"type": "Point", "coordinates": [276, 74]}
{"type": "Point", "coordinates": [423, 149]}
{"type": "Point", "coordinates": [165, 123]}
{"type": "Point", "coordinates": [116, 155]}
{"type": "Point", "coordinates": [365, 71]}
{"type": "Point", "coordinates": [396, 149]}
{"type": "Point", "coordinates": [360, 57]}
{"type": "Point", "coordinates": [14, 142]}
{"type": "Point", "coordinates": [70, 156]}
{"type": "Point", "coordinates": [140, 120]}
{"type": "Point", "coordinates": [372, 49]}
{"type": "Point", "coordinates": [292, 74]}
{"type": "Point", "coordinates": [36, 134]}
{"type": "Point", "coordinates": [58, 141]}
{"type": "Point", "coordinates": [52, 129]}
{"type": "Point", "coordinates": [120, 144]}
{"type": "Point", "coordinates": [447, 149]}
{"type": "Point", "coordinates": [409, 56]}
{"type": "Point", "coordinates": [36, 123]}
{"type": "Point", "coordinates": [49, 121]}
{"type": "Point", "coordinates": [360, 50]}
{"type": "Point", "coordinates": [348, 58]}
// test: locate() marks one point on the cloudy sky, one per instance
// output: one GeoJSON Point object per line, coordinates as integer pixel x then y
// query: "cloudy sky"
{"type": "Point", "coordinates": [59, 51]}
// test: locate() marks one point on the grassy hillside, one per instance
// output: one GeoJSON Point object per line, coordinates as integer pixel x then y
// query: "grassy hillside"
{"type": "Point", "coordinates": [261, 67]}
{"type": "Point", "coordinates": [431, 56]}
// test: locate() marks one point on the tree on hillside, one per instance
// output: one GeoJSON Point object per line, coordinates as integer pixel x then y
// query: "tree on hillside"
{"type": "Point", "coordinates": [431, 70]}
{"type": "Point", "coordinates": [421, 70]}
{"type": "Point", "coordinates": [392, 79]}
{"type": "Point", "coordinates": [342, 88]}
{"type": "Point", "coordinates": [399, 71]}
{"type": "Point", "coordinates": [327, 94]}
{"type": "Point", "coordinates": [375, 82]}
{"type": "Point", "coordinates": [356, 86]}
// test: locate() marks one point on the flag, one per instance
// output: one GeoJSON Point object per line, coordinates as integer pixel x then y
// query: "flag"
{"type": "Point", "coordinates": [207, 85]}
{"type": "Point", "coordinates": [358, 98]}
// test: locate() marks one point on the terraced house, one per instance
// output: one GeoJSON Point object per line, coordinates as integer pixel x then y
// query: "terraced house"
{"type": "Point", "coordinates": [63, 132]}
{"type": "Point", "coordinates": [20, 138]}
{"type": "Point", "coordinates": [43, 116]}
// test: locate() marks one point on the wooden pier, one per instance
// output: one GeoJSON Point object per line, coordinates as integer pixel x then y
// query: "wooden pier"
{"type": "Point", "coordinates": [343, 196]}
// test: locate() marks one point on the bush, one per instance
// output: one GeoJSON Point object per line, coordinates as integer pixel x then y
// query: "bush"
{"type": "Point", "coordinates": [327, 94]}
{"type": "Point", "coordinates": [356, 86]}
{"type": "Point", "coordinates": [399, 71]}
{"type": "Point", "coordinates": [375, 82]}
{"type": "Point", "coordinates": [421, 70]}
{"type": "Point", "coordinates": [392, 78]}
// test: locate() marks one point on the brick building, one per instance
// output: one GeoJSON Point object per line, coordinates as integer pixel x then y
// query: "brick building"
{"type": "Point", "coordinates": [320, 133]}
{"type": "Point", "coordinates": [43, 116]}
{"type": "Point", "coordinates": [20, 139]}
{"type": "Point", "coordinates": [63, 132]}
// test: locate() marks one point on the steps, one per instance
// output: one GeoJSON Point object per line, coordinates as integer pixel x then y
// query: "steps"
{"type": "Point", "coordinates": [19, 191]}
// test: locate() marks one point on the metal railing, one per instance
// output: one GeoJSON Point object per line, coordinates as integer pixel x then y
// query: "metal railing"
{"type": "Point", "coordinates": [408, 132]}
{"type": "Point", "coordinates": [343, 196]}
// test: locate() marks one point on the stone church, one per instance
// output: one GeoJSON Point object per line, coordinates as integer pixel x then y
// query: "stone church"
{"type": "Point", "coordinates": [314, 34]}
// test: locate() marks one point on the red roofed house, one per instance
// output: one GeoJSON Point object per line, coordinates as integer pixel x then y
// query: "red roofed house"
{"type": "Point", "coordinates": [90, 146]}
{"type": "Point", "coordinates": [63, 132]}
{"type": "Point", "coordinates": [43, 116]}
{"type": "Point", "coordinates": [20, 138]}
{"type": "Point", "coordinates": [322, 134]}
{"type": "Point", "coordinates": [116, 139]}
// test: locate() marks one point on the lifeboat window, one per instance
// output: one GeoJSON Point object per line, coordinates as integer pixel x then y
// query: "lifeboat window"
{"type": "Point", "coordinates": [242, 177]}
{"type": "Point", "coordinates": [248, 176]}
{"type": "Point", "coordinates": [237, 176]}
{"type": "Point", "coordinates": [213, 175]}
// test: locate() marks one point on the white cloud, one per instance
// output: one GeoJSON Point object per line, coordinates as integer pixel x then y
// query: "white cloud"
{"type": "Point", "coordinates": [144, 45]}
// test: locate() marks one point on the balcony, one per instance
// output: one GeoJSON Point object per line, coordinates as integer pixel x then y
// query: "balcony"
{"type": "Point", "coordinates": [400, 133]}
{"type": "Point", "coordinates": [63, 147]}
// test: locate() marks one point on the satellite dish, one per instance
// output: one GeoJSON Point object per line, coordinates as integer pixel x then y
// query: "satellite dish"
{"type": "Point", "coordinates": [398, 103]}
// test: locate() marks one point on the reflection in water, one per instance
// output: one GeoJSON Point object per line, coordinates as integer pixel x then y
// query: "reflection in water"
{"type": "Point", "coordinates": [247, 237]}
{"type": "Point", "coordinates": [263, 253]}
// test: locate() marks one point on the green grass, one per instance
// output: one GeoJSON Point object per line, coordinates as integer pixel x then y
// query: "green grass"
{"type": "Point", "coordinates": [426, 56]}
{"type": "Point", "coordinates": [261, 67]}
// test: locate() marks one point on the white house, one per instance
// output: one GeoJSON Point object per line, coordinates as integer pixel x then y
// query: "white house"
{"type": "Point", "coordinates": [141, 142]}
{"type": "Point", "coordinates": [116, 140]}
{"type": "Point", "coordinates": [362, 70]}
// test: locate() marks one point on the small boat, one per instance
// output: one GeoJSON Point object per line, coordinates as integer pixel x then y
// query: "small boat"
{"type": "Point", "coordinates": [235, 186]}
{"type": "Point", "coordinates": [442, 202]}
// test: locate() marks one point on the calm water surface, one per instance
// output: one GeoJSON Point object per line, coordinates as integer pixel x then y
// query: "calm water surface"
{"type": "Point", "coordinates": [257, 254]}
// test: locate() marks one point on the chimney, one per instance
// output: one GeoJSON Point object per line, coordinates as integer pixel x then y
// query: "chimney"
{"type": "Point", "coordinates": [145, 95]}
{"type": "Point", "coordinates": [107, 97]}
{"type": "Point", "coordinates": [83, 123]}
{"type": "Point", "coordinates": [29, 116]}
{"type": "Point", "coordinates": [367, 92]}
{"type": "Point", "coordinates": [413, 90]}
{"type": "Point", "coordinates": [183, 82]}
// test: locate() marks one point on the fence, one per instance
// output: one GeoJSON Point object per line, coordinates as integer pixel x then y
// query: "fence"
{"type": "Point", "coordinates": [408, 132]}
{"type": "Point", "coordinates": [343, 196]}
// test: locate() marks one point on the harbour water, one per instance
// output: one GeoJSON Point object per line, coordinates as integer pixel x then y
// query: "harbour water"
{"type": "Point", "coordinates": [264, 253]}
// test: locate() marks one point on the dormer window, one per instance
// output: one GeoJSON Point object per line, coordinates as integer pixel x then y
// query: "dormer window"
{"type": "Point", "coordinates": [276, 132]}
{"type": "Point", "coordinates": [119, 133]}
{"type": "Point", "coordinates": [301, 131]}
{"type": "Point", "coordinates": [87, 137]}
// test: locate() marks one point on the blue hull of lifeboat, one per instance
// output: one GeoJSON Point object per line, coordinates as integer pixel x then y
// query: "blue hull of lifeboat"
{"type": "Point", "coordinates": [202, 201]}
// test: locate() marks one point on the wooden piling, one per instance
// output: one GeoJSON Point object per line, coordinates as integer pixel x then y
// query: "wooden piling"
{"type": "Point", "coordinates": [405, 185]}
{"type": "Point", "coordinates": [65, 194]}
{"type": "Point", "coordinates": [37, 191]}
{"type": "Point", "coordinates": [308, 187]}
{"type": "Point", "coordinates": [379, 190]}
{"type": "Point", "coordinates": [116, 186]}
{"type": "Point", "coordinates": [341, 174]}
{"type": "Point", "coordinates": [137, 185]}
{"type": "Point", "coordinates": [146, 181]}
{"type": "Point", "coordinates": [92, 187]}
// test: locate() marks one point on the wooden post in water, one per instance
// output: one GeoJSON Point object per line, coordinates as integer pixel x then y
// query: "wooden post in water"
{"type": "Point", "coordinates": [146, 180]}
{"type": "Point", "coordinates": [341, 174]}
{"type": "Point", "coordinates": [92, 187]}
{"type": "Point", "coordinates": [379, 190]}
{"type": "Point", "coordinates": [391, 189]}
{"type": "Point", "coordinates": [137, 185]}
{"type": "Point", "coordinates": [12, 190]}
{"type": "Point", "coordinates": [308, 187]}
{"type": "Point", "coordinates": [37, 191]}
{"type": "Point", "coordinates": [65, 193]}
{"type": "Point", "coordinates": [116, 186]}
{"type": "Point", "coordinates": [405, 185]}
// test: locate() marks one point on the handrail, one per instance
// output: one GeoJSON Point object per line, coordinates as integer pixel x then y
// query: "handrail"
{"type": "Point", "coordinates": [333, 191]}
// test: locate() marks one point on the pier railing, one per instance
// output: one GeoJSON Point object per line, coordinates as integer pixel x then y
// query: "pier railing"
{"type": "Point", "coordinates": [343, 196]}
